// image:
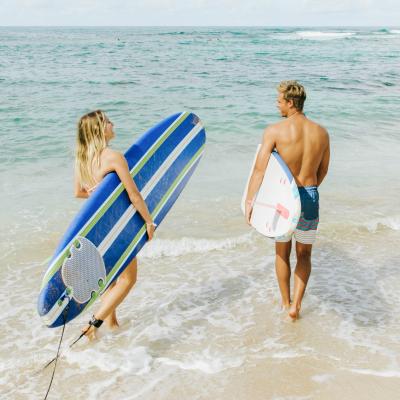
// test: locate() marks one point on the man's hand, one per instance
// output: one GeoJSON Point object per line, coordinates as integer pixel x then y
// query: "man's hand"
{"type": "Point", "coordinates": [248, 211]}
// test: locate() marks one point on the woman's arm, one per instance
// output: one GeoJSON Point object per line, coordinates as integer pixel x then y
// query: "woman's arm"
{"type": "Point", "coordinates": [118, 163]}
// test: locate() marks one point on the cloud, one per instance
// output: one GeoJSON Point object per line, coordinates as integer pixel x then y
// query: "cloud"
{"type": "Point", "coordinates": [338, 6]}
{"type": "Point", "coordinates": [199, 12]}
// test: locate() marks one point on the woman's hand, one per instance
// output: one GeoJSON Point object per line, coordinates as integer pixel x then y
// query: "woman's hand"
{"type": "Point", "coordinates": [150, 227]}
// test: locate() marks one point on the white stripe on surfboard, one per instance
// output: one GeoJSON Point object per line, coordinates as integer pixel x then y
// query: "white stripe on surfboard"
{"type": "Point", "coordinates": [186, 114]}
{"type": "Point", "coordinates": [57, 313]}
{"type": "Point", "coordinates": [130, 211]}
{"type": "Point", "coordinates": [193, 162]}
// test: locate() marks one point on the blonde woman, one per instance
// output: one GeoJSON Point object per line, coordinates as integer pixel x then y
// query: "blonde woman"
{"type": "Point", "coordinates": [94, 160]}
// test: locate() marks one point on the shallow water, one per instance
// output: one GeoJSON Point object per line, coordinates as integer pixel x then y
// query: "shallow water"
{"type": "Point", "coordinates": [203, 320]}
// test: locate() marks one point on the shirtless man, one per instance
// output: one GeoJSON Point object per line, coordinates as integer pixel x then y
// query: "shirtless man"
{"type": "Point", "coordinates": [304, 146]}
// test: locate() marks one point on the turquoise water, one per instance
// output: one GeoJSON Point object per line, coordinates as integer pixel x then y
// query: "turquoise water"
{"type": "Point", "coordinates": [227, 76]}
{"type": "Point", "coordinates": [49, 77]}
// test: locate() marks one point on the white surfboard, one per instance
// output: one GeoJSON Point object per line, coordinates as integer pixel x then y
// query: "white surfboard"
{"type": "Point", "coordinates": [277, 207]}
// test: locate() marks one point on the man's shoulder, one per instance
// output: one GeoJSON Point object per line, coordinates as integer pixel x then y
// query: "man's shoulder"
{"type": "Point", "coordinates": [273, 128]}
{"type": "Point", "coordinates": [319, 133]}
{"type": "Point", "coordinates": [318, 127]}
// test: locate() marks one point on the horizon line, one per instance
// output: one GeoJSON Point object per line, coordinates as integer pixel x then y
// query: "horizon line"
{"type": "Point", "coordinates": [200, 26]}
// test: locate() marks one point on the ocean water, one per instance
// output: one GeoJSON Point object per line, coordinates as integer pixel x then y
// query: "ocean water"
{"type": "Point", "coordinates": [203, 320]}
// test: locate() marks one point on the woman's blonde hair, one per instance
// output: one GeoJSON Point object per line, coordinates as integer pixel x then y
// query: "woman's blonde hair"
{"type": "Point", "coordinates": [90, 142]}
{"type": "Point", "coordinates": [292, 90]}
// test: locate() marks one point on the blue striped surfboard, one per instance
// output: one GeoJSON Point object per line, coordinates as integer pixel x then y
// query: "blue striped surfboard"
{"type": "Point", "coordinates": [108, 233]}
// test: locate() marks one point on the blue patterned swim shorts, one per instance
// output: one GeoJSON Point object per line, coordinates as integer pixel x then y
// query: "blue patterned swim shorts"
{"type": "Point", "coordinates": [306, 230]}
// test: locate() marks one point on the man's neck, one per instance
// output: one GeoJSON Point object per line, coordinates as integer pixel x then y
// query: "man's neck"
{"type": "Point", "coordinates": [291, 114]}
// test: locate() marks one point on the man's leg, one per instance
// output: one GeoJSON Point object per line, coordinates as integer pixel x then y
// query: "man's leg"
{"type": "Point", "coordinates": [301, 275]}
{"type": "Point", "coordinates": [282, 268]}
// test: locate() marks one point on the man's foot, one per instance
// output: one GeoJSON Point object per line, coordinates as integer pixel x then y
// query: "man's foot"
{"type": "Point", "coordinates": [294, 312]}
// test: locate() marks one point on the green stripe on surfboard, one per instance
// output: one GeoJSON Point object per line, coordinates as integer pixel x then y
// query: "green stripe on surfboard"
{"type": "Point", "coordinates": [134, 172]}
{"type": "Point", "coordinates": [159, 206]}
{"type": "Point", "coordinates": [117, 192]}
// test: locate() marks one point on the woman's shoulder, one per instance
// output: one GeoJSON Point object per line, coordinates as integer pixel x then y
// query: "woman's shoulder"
{"type": "Point", "coordinates": [110, 156]}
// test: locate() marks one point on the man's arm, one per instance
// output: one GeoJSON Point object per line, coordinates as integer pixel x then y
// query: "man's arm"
{"type": "Point", "coordinates": [267, 146]}
{"type": "Point", "coordinates": [324, 166]}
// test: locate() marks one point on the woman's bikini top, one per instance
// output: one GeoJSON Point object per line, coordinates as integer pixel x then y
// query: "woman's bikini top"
{"type": "Point", "coordinates": [90, 190]}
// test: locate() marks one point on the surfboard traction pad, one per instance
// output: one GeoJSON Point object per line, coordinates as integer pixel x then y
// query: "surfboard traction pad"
{"type": "Point", "coordinates": [83, 271]}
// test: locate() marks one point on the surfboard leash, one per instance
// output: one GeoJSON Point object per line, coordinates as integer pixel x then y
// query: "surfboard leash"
{"type": "Point", "coordinates": [55, 359]}
{"type": "Point", "coordinates": [93, 322]}
{"type": "Point", "coordinates": [80, 337]}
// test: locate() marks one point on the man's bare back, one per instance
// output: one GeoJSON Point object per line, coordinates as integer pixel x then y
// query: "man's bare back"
{"type": "Point", "coordinates": [304, 146]}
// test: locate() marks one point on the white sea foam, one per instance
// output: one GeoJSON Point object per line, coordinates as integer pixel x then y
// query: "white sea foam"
{"type": "Point", "coordinates": [287, 354]}
{"type": "Point", "coordinates": [145, 388]}
{"type": "Point", "coordinates": [322, 378]}
{"type": "Point", "coordinates": [384, 373]}
{"type": "Point", "coordinates": [224, 320]}
{"type": "Point", "coordinates": [385, 33]}
{"type": "Point", "coordinates": [376, 224]}
{"type": "Point", "coordinates": [186, 245]}
{"type": "Point", "coordinates": [272, 343]}
{"type": "Point", "coordinates": [320, 35]}
{"type": "Point", "coordinates": [135, 360]}
{"type": "Point", "coordinates": [292, 398]}
{"type": "Point", "coordinates": [204, 362]}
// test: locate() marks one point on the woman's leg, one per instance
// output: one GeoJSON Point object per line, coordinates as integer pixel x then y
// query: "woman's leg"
{"type": "Point", "coordinates": [115, 294]}
{"type": "Point", "coordinates": [111, 320]}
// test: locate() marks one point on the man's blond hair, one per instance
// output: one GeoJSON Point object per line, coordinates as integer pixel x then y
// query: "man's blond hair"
{"type": "Point", "coordinates": [292, 90]}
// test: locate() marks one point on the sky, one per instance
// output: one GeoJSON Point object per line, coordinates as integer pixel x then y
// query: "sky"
{"type": "Point", "coordinates": [200, 13]}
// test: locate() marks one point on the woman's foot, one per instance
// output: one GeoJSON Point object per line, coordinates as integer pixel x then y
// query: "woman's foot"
{"type": "Point", "coordinates": [294, 312]}
{"type": "Point", "coordinates": [90, 332]}
{"type": "Point", "coordinates": [112, 322]}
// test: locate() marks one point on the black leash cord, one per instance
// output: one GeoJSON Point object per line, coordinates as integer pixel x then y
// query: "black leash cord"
{"type": "Point", "coordinates": [55, 359]}
{"type": "Point", "coordinates": [93, 322]}
{"type": "Point", "coordinates": [76, 340]}
{"type": "Point", "coordinates": [80, 337]}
